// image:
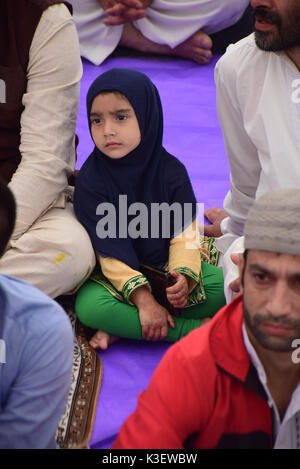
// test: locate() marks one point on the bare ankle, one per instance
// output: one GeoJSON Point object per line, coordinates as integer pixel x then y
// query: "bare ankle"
{"type": "Point", "coordinates": [132, 38]}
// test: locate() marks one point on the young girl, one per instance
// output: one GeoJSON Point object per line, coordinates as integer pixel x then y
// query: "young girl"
{"type": "Point", "coordinates": [129, 172]}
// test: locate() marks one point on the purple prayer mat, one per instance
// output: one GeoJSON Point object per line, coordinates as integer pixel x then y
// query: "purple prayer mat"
{"type": "Point", "coordinates": [192, 133]}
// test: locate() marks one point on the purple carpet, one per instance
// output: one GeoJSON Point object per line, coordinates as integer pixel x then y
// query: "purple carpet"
{"type": "Point", "coordinates": [192, 133]}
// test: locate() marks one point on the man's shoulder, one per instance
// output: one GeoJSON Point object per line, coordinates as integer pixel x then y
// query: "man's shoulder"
{"type": "Point", "coordinates": [25, 304]}
{"type": "Point", "coordinates": [241, 56]}
{"type": "Point", "coordinates": [196, 346]}
{"type": "Point", "coordinates": [204, 343]}
{"type": "Point", "coordinates": [243, 46]}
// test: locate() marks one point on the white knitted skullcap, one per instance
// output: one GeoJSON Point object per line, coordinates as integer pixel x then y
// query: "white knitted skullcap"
{"type": "Point", "coordinates": [273, 223]}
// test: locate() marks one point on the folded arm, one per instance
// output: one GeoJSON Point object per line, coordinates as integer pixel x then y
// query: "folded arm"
{"type": "Point", "coordinates": [242, 154]}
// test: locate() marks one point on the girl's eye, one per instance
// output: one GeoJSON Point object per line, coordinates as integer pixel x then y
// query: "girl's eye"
{"type": "Point", "coordinates": [96, 121]}
{"type": "Point", "coordinates": [121, 117]}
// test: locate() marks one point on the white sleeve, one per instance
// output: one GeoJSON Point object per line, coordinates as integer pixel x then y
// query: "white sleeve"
{"type": "Point", "coordinates": [242, 154]}
{"type": "Point", "coordinates": [49, 118]}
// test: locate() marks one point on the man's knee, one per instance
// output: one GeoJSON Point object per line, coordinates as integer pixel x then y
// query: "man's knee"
{"type": "Point", "coordinates": [82, 253]}
{"type": "Point", "coordinates": [80, 266]}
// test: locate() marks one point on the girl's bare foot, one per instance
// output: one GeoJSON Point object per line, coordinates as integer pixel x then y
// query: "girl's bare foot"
{"type": "Point", "coordinates": [101, 340]}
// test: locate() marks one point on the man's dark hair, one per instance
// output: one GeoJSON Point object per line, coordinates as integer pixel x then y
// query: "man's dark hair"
{"type": "Point", "coordinates": [7, 215]}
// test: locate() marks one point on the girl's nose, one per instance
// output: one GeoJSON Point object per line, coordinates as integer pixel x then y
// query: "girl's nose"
{"type": "Point", "coordinates": [109, 130]}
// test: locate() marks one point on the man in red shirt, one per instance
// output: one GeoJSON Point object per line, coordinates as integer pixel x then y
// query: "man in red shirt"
{"type": "Point", "coordinates": [235, 382]}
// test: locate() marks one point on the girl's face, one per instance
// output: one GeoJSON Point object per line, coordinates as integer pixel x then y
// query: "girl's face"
{"type": "Point", "coordinates": [114, 126]}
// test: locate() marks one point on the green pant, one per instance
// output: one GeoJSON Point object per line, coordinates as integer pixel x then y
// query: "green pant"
{"type": "Point", "coordinates": [98, 309]}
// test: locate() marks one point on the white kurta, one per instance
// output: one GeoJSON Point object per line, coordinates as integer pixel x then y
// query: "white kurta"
{"type": "Point", "coordinates": [258, 99]}
{"type": "Point", "coordinates": [168, 22]}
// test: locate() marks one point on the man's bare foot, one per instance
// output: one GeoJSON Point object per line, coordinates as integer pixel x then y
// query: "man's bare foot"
{"type": "Point", "coordinates": [101, 340]}
{"type": "Point", "coordinates": [197, 47]}
{"type": "Point", "coordinates": [215, 216]}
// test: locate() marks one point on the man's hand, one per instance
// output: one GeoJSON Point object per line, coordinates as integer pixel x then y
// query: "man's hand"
{"type": "Point", "coordinates": [154, 318]}
{"type": "Point", "coordinates": [215, 216]}
{"type": "Point", "coordinates": [105, 4]}
{"type": "Point", "coordinates": [178, 294]}
{"type": "Point", "coordinates": [124, 11]}
{"type": "Point", "coordinates": [235, 286]}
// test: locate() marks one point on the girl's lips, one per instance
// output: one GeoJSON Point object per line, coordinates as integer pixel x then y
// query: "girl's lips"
{"type": "Point", "coordinates": [112, 144]}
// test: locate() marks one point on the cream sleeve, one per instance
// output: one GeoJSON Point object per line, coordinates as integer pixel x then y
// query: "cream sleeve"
{"type": "Point", "coordinates": [48, 120]}
{"type": "Point", "coordinates": [121, 276]}
{"type": "Point", "coordinates": [184, 254]}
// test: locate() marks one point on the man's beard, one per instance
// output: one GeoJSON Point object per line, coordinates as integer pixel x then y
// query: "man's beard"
{"type": "Point", "coordinates": [276, 344]}
{"type": "Point", "coordinates": [286, 32]}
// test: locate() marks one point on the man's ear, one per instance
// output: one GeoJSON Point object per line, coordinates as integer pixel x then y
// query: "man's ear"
{"type": "Point", "coordinates": [241, 267]}
{"type": "Point", "coordinates": [238, 260]}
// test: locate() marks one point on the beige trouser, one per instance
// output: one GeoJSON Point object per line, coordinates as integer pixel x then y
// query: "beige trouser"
{"type": "Point", "coordinates": [55, 254]}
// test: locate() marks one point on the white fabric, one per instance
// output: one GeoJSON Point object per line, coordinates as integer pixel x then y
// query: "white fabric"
{"type": "Point", "coordinates": [285, 431]}
{"type": "Point", "coordinates": [168, 22]}
{"type": "Point", "coordinates": [55, 254]}
{"type": "Point", "coordinates": [97, 41]}
{"type": "Point", "coordinates": [259, 112]}
{"type": "Point", "coordinates": [46, 230]}
{"type": "Point", "coordinates": [230, 270]}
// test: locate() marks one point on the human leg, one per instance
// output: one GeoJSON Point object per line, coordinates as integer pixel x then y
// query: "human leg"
{"type": "Point", "coordinates": [213, 283]}
{"type": "Point", "coordinates": [98, 309]}
{"type": "Point", "coordinates": [184, 30]}
{"type": "Point", "coordinates": [55, 254]}
{"type": "Point", "coordinates": [197, 47]}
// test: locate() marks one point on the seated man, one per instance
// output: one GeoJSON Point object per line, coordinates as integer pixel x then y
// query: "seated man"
{"type": "Point", "coordinates": [40, 72]}
{"type": "Point", "coordinates": [258, 89]}
{"type": "Point", "coordinates": [36, 352]}
{"type": "Point", "coordinates": [191, 30]}
{"type": "Point", "coordinates": [235, 382]}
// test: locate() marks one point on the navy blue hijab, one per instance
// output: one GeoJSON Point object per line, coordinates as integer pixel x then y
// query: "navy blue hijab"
{"type": "Point", "coordinates": [148, 174]}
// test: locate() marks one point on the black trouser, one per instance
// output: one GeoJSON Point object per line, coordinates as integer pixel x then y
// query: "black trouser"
{"type": "Point", "coordinates": [234, 33]}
